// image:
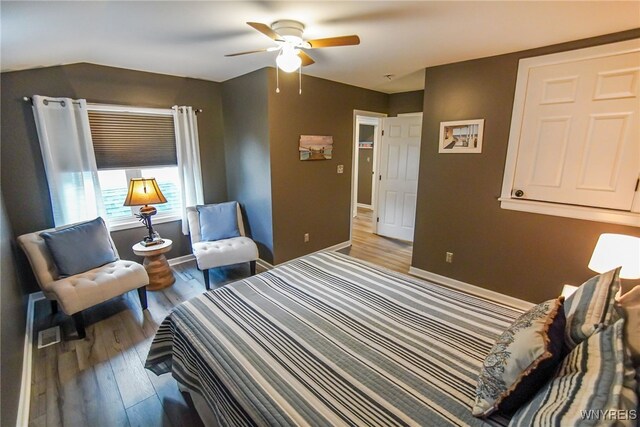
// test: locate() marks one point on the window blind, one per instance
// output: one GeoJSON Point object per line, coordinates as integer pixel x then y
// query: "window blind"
{"type": "Point", "coordinates": [132, 140]}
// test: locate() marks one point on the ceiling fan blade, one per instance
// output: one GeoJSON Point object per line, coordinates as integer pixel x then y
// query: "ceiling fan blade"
{"type": "Point", "coordinates": [334, 41]}
{"type": "Point", "coordinates": [265, 29]}
{"type": "Point", "coordinates": [306, 59]}
{"type": "Point", "coordinates": [247, 52]}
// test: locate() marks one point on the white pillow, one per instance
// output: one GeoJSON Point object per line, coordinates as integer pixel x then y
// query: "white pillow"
{"type": "Point", "coordinates": [630, 303]}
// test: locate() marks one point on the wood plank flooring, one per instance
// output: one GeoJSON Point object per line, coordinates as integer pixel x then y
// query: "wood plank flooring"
{"type": "Point", "coordinates": [391, 253]}
{"type": "Point", "coordinates": [101, 380]}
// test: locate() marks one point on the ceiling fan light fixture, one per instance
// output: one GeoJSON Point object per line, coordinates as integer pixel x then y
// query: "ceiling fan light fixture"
{"type": "Point", "coordinates": [288, 60]}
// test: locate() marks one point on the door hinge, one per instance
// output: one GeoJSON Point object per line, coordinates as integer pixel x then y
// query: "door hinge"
{"type": "Point", "coordinates": [637, 184]}
{"type": "Point", "coordinates": [379, 177]}
{"type": "Point", "coordinates": [382, 132]}
{"type": "Point", "coordinates": [377, 219]}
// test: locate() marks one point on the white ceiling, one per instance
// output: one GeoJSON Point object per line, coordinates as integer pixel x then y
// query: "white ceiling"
{"type": "Point", "coordinates": [191, 38]}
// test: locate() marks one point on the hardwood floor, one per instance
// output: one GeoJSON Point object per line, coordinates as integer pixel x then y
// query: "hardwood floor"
{"type": "Point", "coordinates": [101, 380]}
{"type": "Point", "coordinates": [391, 253]}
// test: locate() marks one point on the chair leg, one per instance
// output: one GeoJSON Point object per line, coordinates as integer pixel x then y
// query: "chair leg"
{"type": "Point", "coordinates": [142, 294]}
{"type": "Point", "coordinates": [252, 267]}
{"type": "Point", "coordinates": [78, 319]}
{"type": "Point", "coordinates": [205, 273]}
{"type": "Point", "coordinates": [54, 306]}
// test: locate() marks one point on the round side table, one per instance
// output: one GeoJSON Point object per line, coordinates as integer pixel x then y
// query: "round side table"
{"type": "Point", "coordinates": [160, 274]}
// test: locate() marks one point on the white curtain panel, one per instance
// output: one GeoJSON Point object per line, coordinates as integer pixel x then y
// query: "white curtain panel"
{"type": "Point", "coordinates": [69, 160]}
{"type": "Point", "coordinates": [188, 150]}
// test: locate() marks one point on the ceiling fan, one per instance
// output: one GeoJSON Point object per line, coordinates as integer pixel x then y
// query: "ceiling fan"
{"type": "Point", "coordinates": [288, 36]}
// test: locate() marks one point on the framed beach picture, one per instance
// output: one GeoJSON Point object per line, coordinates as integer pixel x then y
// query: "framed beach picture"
{"type": "Point", "coordinates": [315, 147]}
{"type": "Point", "coordinates": [461, 136]}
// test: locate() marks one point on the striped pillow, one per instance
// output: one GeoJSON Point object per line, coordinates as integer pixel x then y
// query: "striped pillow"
{"type": "Point", "coordinates": [591, 306]}
{"type": "Point", "coordinates": [595, 384]}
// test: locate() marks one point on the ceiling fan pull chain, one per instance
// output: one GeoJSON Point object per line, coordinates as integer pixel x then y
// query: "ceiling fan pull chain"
{"type": "Point", "coordinates": [277, 81]}
{"type": "Point", "coordinates": [300, 81]}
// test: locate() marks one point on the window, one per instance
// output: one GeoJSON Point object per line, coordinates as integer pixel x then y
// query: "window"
{"type": "Point", "coordinates": [574, 146]}
{"type": "Point", "coordinates": [135, 143]}
{"type": "Point", "coordinates": [115, 183]}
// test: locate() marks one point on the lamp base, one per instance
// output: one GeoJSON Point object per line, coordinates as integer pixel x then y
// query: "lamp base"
{"type": "Point", "coordinates": [153, 242]}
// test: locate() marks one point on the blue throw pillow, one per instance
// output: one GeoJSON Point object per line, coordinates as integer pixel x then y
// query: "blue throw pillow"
{"type": "Point", "coordinates": [218, 221]}
{"type": "Point", "coordinates": [80, 248]}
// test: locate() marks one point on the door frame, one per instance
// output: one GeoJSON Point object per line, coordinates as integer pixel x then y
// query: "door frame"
{"type": "Point", "coordinates": [373, 116]}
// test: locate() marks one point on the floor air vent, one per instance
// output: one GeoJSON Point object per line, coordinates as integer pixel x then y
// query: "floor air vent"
{"type": "Point", "coordinates": [49, 337]}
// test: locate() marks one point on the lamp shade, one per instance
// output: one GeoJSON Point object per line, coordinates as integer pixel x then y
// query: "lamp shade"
{"type": "Point", "coordinates": [144, 191]}
{"type": "Point", "coordinates": [615, 250]}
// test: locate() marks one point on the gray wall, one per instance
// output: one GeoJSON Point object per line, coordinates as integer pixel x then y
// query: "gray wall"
{"type": "Point", "coordinates": [309, 196]}
{"type": "Point", "coordinates": [12, 324]}
{"type": "Point", "coordinates": [405, 102]}
{"type": "Point", "coordinates": [525, 255]}
{"type": "Point", "coordinates": [25, 185]}
{"type": "Point", "coordinates": [246, 124]}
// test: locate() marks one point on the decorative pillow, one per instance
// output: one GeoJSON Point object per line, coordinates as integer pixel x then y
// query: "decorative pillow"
{"type": "Point", "coordinates": [80, 247]}
{"type": "Point", "coordinates": [591, 306]}
{"type": "Point", "coordinates": [594, 385]}
{"type": "Point", "coordinates": [630, 305]}
{"type": "Point", "coordinates": [522, 360]}
{"type": "Point", "coordinates": [219, 221]}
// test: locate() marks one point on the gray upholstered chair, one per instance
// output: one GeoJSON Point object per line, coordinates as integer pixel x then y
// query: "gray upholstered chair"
{"type": "Point", "coordinates": [77, 292]}
{"type": "Point", "coordinates": [218, 253]}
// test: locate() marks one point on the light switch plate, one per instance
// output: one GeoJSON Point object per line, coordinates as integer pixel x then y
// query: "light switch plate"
{"type": "Point", "coordinates": [340, 168]}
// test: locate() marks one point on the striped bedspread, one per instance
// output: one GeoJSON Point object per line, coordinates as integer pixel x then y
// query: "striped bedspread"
{"type": "Point", "coordinates": [329, 340]}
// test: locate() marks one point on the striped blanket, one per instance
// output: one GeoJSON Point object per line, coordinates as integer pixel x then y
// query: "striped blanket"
{"type": "Point", "coordinates": [329, 340]}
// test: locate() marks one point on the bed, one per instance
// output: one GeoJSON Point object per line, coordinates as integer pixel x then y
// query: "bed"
{"type": "Point", "coordinates": [330, 340]}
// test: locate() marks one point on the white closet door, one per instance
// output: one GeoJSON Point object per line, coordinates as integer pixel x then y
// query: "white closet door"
{"type": "Point", "coordinates": [580, 135]}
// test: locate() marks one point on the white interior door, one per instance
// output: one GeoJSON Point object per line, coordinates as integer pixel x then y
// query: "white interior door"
{"type": "Point", "coordinates": [580, 132]}
{"type": "Point", "coordinates": [398, 177]}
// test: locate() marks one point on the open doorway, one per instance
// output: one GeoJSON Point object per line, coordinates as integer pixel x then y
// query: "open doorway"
{"type": "Point", "coordinates": [366, 243]}
{"type": "Point", "coordinates": [367, 141]}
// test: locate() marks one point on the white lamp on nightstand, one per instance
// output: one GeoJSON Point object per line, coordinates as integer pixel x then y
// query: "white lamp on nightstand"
{"type": "Point", "coordinates": [615, 250]}
{"type": "Point", "coordinates": [612, 251]}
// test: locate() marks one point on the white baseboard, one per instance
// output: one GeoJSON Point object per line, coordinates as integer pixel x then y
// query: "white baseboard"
{"type": "Point", "coordinates": [337, 247]}
{"type": "Point", "coordinates": [264, 264]}
{"type": "Point", "coordinates": [333, 248]}
{"type": "Point", "coordinates": [471, 289]}
{"type": "Point", "coordinates": [181, 259]}
{"type": "Point", "coordinates": [27, 361]}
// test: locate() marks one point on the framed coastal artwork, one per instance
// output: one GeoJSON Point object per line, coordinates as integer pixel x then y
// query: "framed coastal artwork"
{"type": "Point", "coordinates": [315, 147]}
{"type": "Point", "coordinates": [461, 136]}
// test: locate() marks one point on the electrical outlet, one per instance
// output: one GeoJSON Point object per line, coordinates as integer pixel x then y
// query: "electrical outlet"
{"type": "Point", "coordinates": [449, 257]}
{"type": "Point", "coordinates": [340, 168]}
{"type": "Point", "coordinates": [306, 237]}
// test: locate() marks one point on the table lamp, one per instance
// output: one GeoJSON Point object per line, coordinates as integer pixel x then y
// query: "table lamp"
{"type": "Point", "coordinates": [615, 250]}
{"type": "Point", "coordinates": [143, 192]}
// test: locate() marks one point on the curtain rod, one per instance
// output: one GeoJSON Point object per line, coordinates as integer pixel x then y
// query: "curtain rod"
{"type": "Point", "coordinates": [46, 101]}
{"type": "Point", "coordinates": [30, 101]}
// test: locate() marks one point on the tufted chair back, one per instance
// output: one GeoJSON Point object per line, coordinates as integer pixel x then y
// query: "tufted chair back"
{"type": "Point", "coordinates": [40, 258]}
